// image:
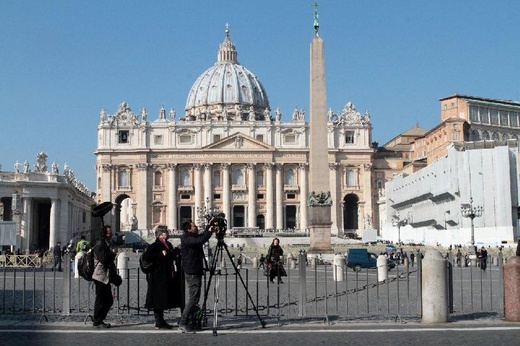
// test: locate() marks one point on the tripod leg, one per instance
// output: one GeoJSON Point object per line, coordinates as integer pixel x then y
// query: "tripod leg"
{"type": "Point", "coordinates": [218, 253]}
{"type": "Point", "coordinates": [237, 272]}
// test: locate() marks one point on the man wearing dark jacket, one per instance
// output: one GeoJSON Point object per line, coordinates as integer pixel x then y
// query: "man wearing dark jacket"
{"type": "Point", "coordinates": [104, 257]}
{"type": "Point", "coordinates": [192, 254]}
{"type": "Point", "coordinates": [164, 285]}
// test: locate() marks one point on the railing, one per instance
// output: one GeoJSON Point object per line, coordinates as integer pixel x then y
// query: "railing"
{"type": "Point", "coordinates": [308, 291]}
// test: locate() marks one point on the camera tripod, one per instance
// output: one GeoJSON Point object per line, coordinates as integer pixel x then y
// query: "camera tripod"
{"type": "Point", "coordinates": [217, 258]}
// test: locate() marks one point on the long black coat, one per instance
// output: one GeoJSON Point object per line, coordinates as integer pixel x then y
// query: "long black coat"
{"type": "Point", "coordinates": [165, 289]}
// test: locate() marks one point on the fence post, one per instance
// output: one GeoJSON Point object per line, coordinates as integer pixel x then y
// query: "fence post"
{"type": "Point", "coordinates": [302, 300]}
{"type": "Point", "coordinates": [66, 284]}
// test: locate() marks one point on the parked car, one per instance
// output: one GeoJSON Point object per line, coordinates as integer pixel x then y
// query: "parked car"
{"type": "Point", "coordinates": [361, 258]}
{"type": "Point", "coordinates": [139, 246]}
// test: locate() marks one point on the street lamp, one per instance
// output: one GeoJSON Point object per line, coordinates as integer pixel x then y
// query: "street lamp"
{"type": "Point", "coordinates": [397, 221]}
{"type": "Point", "coordinates": [204, 212]}
{"type": "Point", "coordinates": [471, 212]}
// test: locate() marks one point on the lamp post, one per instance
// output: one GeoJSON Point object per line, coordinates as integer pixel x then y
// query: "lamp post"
{"type": "Point", "coordinates": [471, 212]}
{"type": "Point", "coordinates": [397, 221]}
{"type": "Point", "coordinates": [205, 212]}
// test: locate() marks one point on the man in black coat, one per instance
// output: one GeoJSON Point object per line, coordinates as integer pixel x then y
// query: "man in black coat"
{"type": "Point", "coordinates": [193, 266]}
{"type": "Point", "coordinates": [164, 289]}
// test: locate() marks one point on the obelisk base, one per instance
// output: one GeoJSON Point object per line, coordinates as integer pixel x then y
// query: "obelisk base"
{"type": "Point", "coordinates": [320, 226]}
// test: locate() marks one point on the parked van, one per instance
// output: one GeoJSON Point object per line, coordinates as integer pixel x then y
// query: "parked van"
{"type": "Point", "coordinates": [361, 258]}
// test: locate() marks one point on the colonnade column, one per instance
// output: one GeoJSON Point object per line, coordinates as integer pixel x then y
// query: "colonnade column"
{"type": "Point", "coordinates": [142, 193]}
{"type": "Point", "coordinates": [25, 233]}
{"type": "Point", "coordinates": [199, 189]}
{"type": "Point", "coordinates": [304, 193]}
{"type": "Point", "coordinates": [172, 221]}
{"type": "Point", "coordinates": [251, 190]}
{"type": "Point", "coordinates": [279, 196]}
{"type": "Point", "coordinates": [208, 191]}
{"type": "Point", "coordinates": [53, 233]}
{"type": "Point", "coordinates": [226, 191]}
{"type": "Point", "coordinates": [333, 177]}
{"type": "Point", "coordinates": [269, 198]}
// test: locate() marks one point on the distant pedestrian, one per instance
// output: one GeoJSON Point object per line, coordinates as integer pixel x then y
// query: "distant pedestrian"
{"type": "Point", "coordinates": [57, 256]}
{"type": "Point", "coordinates": [261, 261]}
{"type": "Point", "coordinates": [412, 259]}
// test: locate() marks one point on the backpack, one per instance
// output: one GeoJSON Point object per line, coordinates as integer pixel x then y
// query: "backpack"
{"type": "Point", "coordinates": [146, 266]}
{"type": "Point", "coordinates": [86, 266]}
{"type": "Point", "coordinates": [84, 246]}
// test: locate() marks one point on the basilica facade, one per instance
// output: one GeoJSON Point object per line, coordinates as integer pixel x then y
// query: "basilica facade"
{"type": "Point", "coordinates": [230, 150]}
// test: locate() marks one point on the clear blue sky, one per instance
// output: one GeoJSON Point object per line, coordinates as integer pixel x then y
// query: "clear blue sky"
{"type": "Point", "coordinates": [61, 62]}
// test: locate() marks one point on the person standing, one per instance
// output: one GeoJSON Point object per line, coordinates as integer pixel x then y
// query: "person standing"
{"type": "Point", "coordinates": [192, 253]}
{"type": "Point", "coordinates": [163, 290]}
{"type": "Point", "coordinates": [104, 257]}
{"type": "Point", "coordinates": [274, 261]}
{"type": "Point", "coordinates": [262, 262]}
{"type": "Point", "coordinates": [57, 256]}
{"type": "Point", "coordinates": [482, 255]}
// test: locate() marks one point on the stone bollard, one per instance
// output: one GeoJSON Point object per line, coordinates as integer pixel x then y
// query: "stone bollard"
{"type": "Point", "coordinates": [434, 290]}
{"type": "Point", "coordinates": [382, 268]}
{"type": "Point", "coordinates": [339, 267]}
{"type": "Point", "coordinates": [255, 262]}
{"type": "Point", "coordinates": [313, 261]}
{"type": "Point", "coordinates": [512, 289]}
{"type": "Point", "coordinates": [122, 264]}
{"type": "Point", "coordinates": [76, 260]}
{"type": "Point", "coordinates": [473, 261]}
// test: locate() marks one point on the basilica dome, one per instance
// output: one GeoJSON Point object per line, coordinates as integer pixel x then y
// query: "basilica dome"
{"type": "Point", "coordinates": [227, 91]}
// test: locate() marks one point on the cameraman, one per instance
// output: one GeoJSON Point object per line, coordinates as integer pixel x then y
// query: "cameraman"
{"type": "Point", "coordinates": [192, 254]}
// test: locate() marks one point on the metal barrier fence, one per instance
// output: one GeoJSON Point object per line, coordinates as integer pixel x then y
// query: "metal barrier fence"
{"type": "Point", "coordinates": [308, 291]}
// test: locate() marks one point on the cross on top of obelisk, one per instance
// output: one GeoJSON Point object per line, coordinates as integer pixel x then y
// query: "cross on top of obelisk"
{"type": "Point", "coordinates": [316, 23]}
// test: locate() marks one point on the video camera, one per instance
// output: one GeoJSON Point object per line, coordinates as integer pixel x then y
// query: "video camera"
{"type": "Point", "coordinates": [219, 223]}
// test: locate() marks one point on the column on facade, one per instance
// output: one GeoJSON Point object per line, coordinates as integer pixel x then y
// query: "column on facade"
{"type": "Point", "coordinates": [368, 211]}
{"type": "Point", "coordinates": [279, 196]}
{"type": "Point", "coordinates": [251, 190]}
{"type": "Point", "coordinates": [142, 193]}
{"type": "Point", "coordinates": [226, 190]}
{"type": "Point", "coordinates": [333, 178]}
{"type": "Point", "coordinates": [269, 198]}
{"type": "Point", "coordinates": [53, 230]}
{"type": "Point", "coordinates": [172, 196]}
{"type": "Point", "coordinates": [25, 228]}
{"type": "Point", "coordinates": [108, 176]}
{"type": "Point", "coordinates": [208, 190]}
{"type": "Point", "coordinates": [199, 188]}
{"type": "Point", "coordinates": [304, 193]}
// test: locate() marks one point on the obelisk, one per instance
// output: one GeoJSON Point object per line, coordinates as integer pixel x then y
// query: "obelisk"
{"type": "Point", "coordinates": [319, 201]}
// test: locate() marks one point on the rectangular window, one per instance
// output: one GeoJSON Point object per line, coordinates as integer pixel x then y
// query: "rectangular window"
{"type": "Point", "coordinates": [123, 136]}
{"type": "Point", "coordinates": [260, 138]}
{"type": "Point", "coordinates": [216, 178]}
{"type": "Point", "coordinates": [158, 139]}
{"type": "Point", "coordinates": [473, 113]}
{"type": "Point", "coordinates": [259, 196]}
{"type": "Point", "coordinates": [291, 196]}
{"type": "Point", "coordinates": [349, 137]}
{"type": "Point", "coordinates": [455, 136]}
{"type": "Point", "coordinates": [504, 118]}
{"type": "Point", "coordinates": [289, 139]}
{"type": "Point", "coordinates": [216, 196]}
{"type": "Point", "coordinates": [494, 116]}
{"type": "Point", "coordinates": [513, 117]}
{"type": "Point", "coordinates": [216, 138]}
{"type": "Point", "coordinates": [185, 197]}
{"type": "Point", "coordinates": [351, 178]}
{"type": "Point", "coordinates": [185, 139]}
{"type": "Point", "coordinates": [484, 115]}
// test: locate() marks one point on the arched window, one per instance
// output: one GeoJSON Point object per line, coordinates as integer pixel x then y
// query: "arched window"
{"type": "Point", "coordinates": [157, 179]}
{"type": "Point", "coordinates": [289, 177]}
{"type": "Point", "coordinates": [495, 136]}
{"type": "Point", "coordinates": [185, 177]}
{"type": "Point", "coordinates": [485, 136]}
{"type": "Point", "coordinates": [475, 136]}
{"type": "Point", "coordinates": [238, 176]}
{"type": "Point", "coordinates": [123, 180]}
